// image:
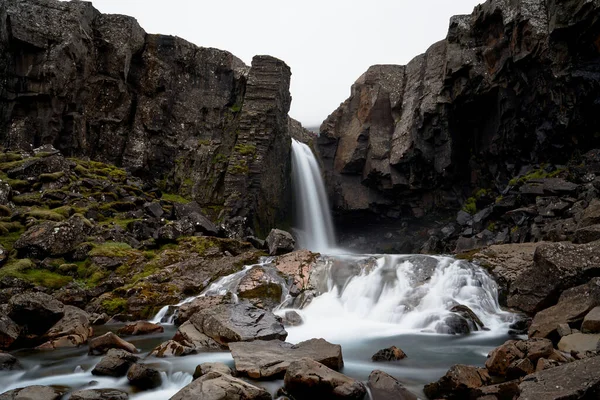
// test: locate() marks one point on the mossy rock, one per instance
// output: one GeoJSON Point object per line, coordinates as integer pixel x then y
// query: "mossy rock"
{"type": "Point", "coordinates": [115, 305]}
{"type": "Point", "coordinates": [28, 199]}
{"type": "Point", "coordinates": [27, 270]}
{"type": "Point", "coordinates": [52, 177]}
{"type": "Point", "coordinates": [5, 211]}
{"type": "Point", "coordinates": [46, 215]}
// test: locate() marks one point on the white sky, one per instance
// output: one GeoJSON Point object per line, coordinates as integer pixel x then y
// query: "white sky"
{"type": "Point", "coordinates": [328, 43]}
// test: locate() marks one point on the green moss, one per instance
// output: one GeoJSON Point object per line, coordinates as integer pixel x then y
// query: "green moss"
{"type": "Point", "coordinates": [219, 158]}
{"type": "Point", "coordinates": [81, 170]}
{"type": "Point", "coordinates": [5, 211]}
{"type": "Point", "coordinates": [470, 205]}
{"type": "Point", "coordinates": [204, 142]}
{"type": "Point", "coordinates": [540, 173]}
{"type": "Point", "coordinates": [28, 199]}
{"type": "Point", "coordinates": [112, 249]}
{"type": "Point", "coordinates": [18, 184]}
{"type": "Point", "coordinates": [235, 108]}
{"type": "Point", "coordinates": [245, 149]}
{"type": "Point", "coordinates": [7, 166]}
{"type": "Point", "coordinates": [491, 227]}
{"type": "Point", "coordinates": [9, 157]}
{"type": "Point", "coordinates": [25, 269]}
{"type": "Point", "coordinates": [241, 168]}
{"type": "Point", "coordinates": [46, 178]}
{"type": "Point", "coordinates": [8, 240]}
{"type": "Point", "coordinates": [115, 305]}
{"type": "Point", "coordinates": [45, 215]}
{"type": "Point", "coordinates": [174, 198]}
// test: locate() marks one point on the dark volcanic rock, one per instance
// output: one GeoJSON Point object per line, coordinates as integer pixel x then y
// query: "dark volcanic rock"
{"type": "Point", "coordinates": [268, 359]}
{"type": "Point", "coordinates": [37, 312]}
{"type": "Point", "coordinates": [116, 363]}
{"type": "Point", "coordinates": [386, 387]}
{"type": "Point", "coordinates": [72, 330]}
{"type": "Point", "coordinates": [144, 377]}
{"type": "Point", "coordinates": [390, 354]}
{"type": "Point", "coordinates": [280, 242]}
{"type": "Point", "coordinates": [308, 379]}
{"type": "Point", "coordinates": [98, 86]}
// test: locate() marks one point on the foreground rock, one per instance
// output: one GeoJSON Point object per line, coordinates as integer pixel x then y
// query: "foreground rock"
{"type": "Point", "coordinates": [458, 382]}
{"type": "Point", "coordinates": [116, 363]}
{"type": "Point", "coordinates": [72, 330]}
{"type": "Point", "coordinates": [9, 331]}
{"type": "Point", "coordinates": [386, 387]}
{"type": "Point", "coordinates": [99, 394]}
{"type": "Point", "coordinates": [205, 368]}
{"type": "Point", "coordinates": [280, 242]}
{"type": "Point", "coordinates": [516, 358]}
{"type": "Point", "coordinates": [308, 379]}
{"type": "Point", "coordinates": [144, 377]}
{"type": "Point", "coordinates": [36, 312]}
{"type": "Point", "coordinates": [591, 322]}
{"type": "Point", "coordinates": [390, 354]}
{"type": "Point", "coordinates": [270, 359]}
{"type": "Point", "coordinates": [9, 363]}
{"type": "Point", "coordinates": [102, 344]}
{"type": "Point", "coordinates": [140, 328]}
{"type": "Point", "coordinates": [579, 343]}
{"type": "Point", "coordinates": [217, 386]}
{"type": "Point", "coordinates": [200, 303]}
{"type": "Point", "coordinates": [33, 393]}
{"type": "Point", "coordinates": [576, 380]}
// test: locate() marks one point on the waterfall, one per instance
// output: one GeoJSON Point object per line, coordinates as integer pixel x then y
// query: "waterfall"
{"type": "Point", "coordinates": [314, 226]}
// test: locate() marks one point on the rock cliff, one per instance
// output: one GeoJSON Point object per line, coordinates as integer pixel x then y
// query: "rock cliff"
{"type": "Point", "coordinates": [193, 120]}
{"type": "Point", "coordinates": [512, 88]}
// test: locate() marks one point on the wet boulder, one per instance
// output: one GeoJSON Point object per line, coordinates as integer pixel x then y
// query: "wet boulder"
{"type": "Point", "coordinates": [102, 344]}
{"type": "Point", "coordinates": [575, 380]}
{"type": "Point", "coordinates": [280, 242]}
{"type": "Point", "coordinates": [207, 367]}
{"type": "Point", "coordinates": [188, 339]}
{"type": "Point", "coordinates": [143, 377]}
{"type": "Point", "coordinates": [9, 331]}
{"type": "Point", "coordinates": [297, 265]}
{"type": "Point", "coordinates": [292, 318]}
{"type": "Point", "coordinates": [217, 386]}
{"type": "Point", "coordinates": [33, 393]}
{"type": "Point", "coordinates": [72, 330]}
{"type": "Point", "coordinates": [9, 363]}
{"type": "Point", "coordinates": [261, 359]}
{"type": "Point", "coordinates": [385, 387]}
{"type": "Point", "coordinates": [36, 312]}
{"type": "Point", "coordinates": [99, 394]}
{"type": "Point", "coordinates": [390, 354]}
{"type": "Point", "coordinates": [115, 363]}
{"type": "Point", "coordinates": [465, 312]}
{"type": "Point", "coordinates": [53, 238]}
{"type": "Point", "coordinates": [261, 287]}
{"type": "Point", "coordinates": [140, 328]}
{"type": "Point", "coordinates": [501, 358]}
{"type": "Point", "coordinates": [458, 382]}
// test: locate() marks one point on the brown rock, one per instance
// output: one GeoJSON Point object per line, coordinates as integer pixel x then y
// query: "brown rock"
{"type": "Point", "coordinates": [207, 367]}
{"type": "Point", "coordinates": [9, 363]}
{"type": "Point", "coordinates": [72, 330]}
{"type": "Point", "coordinates": [33, 393]}
{"type": "Point", "coordinates": [99, 394]}
{"type": "Point", "coordinates": [502, 357]}
{"type": "Point", "coordinates": [9, 331]}
{"type": "Point", "coordinates": [519, 368]}
{"type": "Point", "coordinates": [217, 386]}
{"type": "Point", "coordinates": [261, 288]}
{"type": "Point", "coordinates": [385, 387]}
{"type": "Point", "coordinates": [390, 354]}
{"type": "Point", "coordinates": [144, 377]}
{"type": "Point", "coordinates": [140, 328]}
{"type": "Point", "coordinates": [37, 312]}
{"type": "Point", "coordinates": [297, 265]}
{"type": "Point", "coordinates": [261, 359]}
{"type": "Point", "coordinates": [185, 311]}
{"type": "Point", "coordinates": [115, 363]}
{"type": "Point", "coordinates": [591, 322]}
{"type": "Point", "coordinates": [579, 343]}
{"type": "Point", "coordinates": [307, 378]}
{"type": "Point", "coordinates": [458, 382]}
{"type": "Point", "coordinates": [102, 344]}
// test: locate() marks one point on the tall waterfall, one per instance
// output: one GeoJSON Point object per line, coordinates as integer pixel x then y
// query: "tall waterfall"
{"type": "Point", "coordinates": [315, 228]}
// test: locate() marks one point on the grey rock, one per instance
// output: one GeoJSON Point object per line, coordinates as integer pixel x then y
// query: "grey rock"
{"type": "Point", "coordinates": [268, 359]}
{"type": "Point", "coordinates": [99, 394]}
{"type": "Point", "coordinates": [217, 386]}
{"type": "Point", "coordinates": [207, 367]}
{"type": "Point", "coordinates": [591, 322]}
{"type": "Point", "coordinates": [33, 393]}
{"type": "Point", "coordinates": [144, 377]}
{"type": "Point", "coordinates": [9, 362]}
{"type": "Point", "coordinates": [579, 343]}
{"type": "Point", "coordinates": [9, 331]}
{"type": "Point", "coordinates": [385, 387]}
{"type": "Point", "coordinates": [116, 363]}
{"type": "Point", "coordinates": [292, 318]}
{"type": "Point", "coordinates": [280, 242]}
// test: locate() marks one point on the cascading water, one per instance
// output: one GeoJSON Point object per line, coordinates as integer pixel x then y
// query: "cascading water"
{"type": "Point", "coordinates": [315, 228]}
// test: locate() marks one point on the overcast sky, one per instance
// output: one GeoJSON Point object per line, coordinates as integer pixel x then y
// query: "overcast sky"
{"type": "Point", "coordinates": [327, 43]}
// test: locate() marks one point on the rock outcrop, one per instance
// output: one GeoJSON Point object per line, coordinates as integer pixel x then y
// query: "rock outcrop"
{"type": "Point", "coordinates": [196, 120]}
{"type": "Point", "coordinates": [508, 93]}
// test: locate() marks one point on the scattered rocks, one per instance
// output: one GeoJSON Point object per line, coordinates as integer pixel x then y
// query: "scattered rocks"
{"type": "Point", "coordinates": [261, 359]}
{"type": "Point", "coordinates": [385, 387]}
{"type": "Point", "coordinates": [140, 328]}
{"type": "Point", "coordinates": [99, 394]}
{"type": "Point", "coordinates": [215, 385]}
{"type": "Point", "coordinates": [307, 378]}
{"type": "Point", "coordinates": [116, 363]}
{"type": "Point", "coordinates": [102, 344]}
{"type": "Point", "coordinates": [280, 242]}
{"type": "Point", "coordinates": [390, 354]}
{"type": "Point", "coordinates": [144, 377]}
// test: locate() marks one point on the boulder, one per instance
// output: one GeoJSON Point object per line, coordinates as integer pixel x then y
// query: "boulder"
{"type": "Point", "coordinates": [591, 322]}
{"type": "Point", "coordinates": [187, 340]}
{"type": "Point", "coordinates": [516, 358]}
{"type": "Point", "coordinates": [556, 267]}
{"type": "Point", "coordinates": [239, 322]}
{"type": "Point", "coordinates": [579, 343]}
{"type": "Point", "coordinates": [298, 266]}
{"type": "Point", "coordinates": [475, 323]}
{"type": "Point", "coordinates": [115, 363]}
{"type": "Point", "coordinates": [36, 312]}
{"type": "Point", "coordinates": [144, 377]}
{"type": "Point", "coordinates": [458, 382]}
{"type": "Point", "coordinates": [217, 386]}
{"type": "Point", "coordinates": [186, 310]}
{"type": "Point", "coordinates": [193, 212]}
{"type": "Point", "coordinates": [72, 330]}
{"type": "Point", "coordinates": [576, 380]}
{"type": "Point", "coordinates": [306, 379]}
{"type": "Point", "coordinates": [280, 242]}
{"type": "Point", "coordinates": [502, 391]}
{"type": "Point", "coordinates": [9, 362]}
{"type": "Point", "coordinates": [99, 394]}
{"type": "Point", "coordinates": [591, 215]}
{"type": "Point", "coordinates": [587, 234]}
{"type": "Point", "coordinates": [102, 344]}
{"type": "Point", "coordinates": [33, 393]}
{"type": "Point", "coordinates": [390, 354]}
{"type": "Point", "coordinates": [574, 304]}
{"type": "Point", "coordinates": [140, 328]}
{"type": "Point", "coordinates": [292, 318]}
{"type": "Point", "coordinates": [261, 359]}
{"type": "Point", "coordinates": [520, 368]}
{"type": "Point", "coordinates": [207, 367]}
{"type": "Point", "coordinates": [53, 238]}
{"type": "Point", "coordinates": [261, 287]}
{"type": "Point", "coordinates": [385, 387]}
{"type": "Point", "coordinates": [9, 331]}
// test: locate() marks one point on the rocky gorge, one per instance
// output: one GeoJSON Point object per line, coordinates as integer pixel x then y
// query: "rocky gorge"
{"type": "Point", "coordinates": [143, 180]}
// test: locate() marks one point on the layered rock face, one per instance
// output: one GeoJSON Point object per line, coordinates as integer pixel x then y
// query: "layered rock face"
{"type": "Point", "coordinates": [513, 85]}
{"type": "Point", "coordinates": [194, 120]}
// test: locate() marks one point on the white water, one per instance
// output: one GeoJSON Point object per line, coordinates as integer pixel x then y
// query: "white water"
{"type": "Point", "coordinates": [315, 228]}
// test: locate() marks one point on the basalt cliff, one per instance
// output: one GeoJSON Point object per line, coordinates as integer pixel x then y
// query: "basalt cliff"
{"type": "Point", "coordinates": [187, 119]}
{"type": "Point", "coordinates": [510, 96]}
